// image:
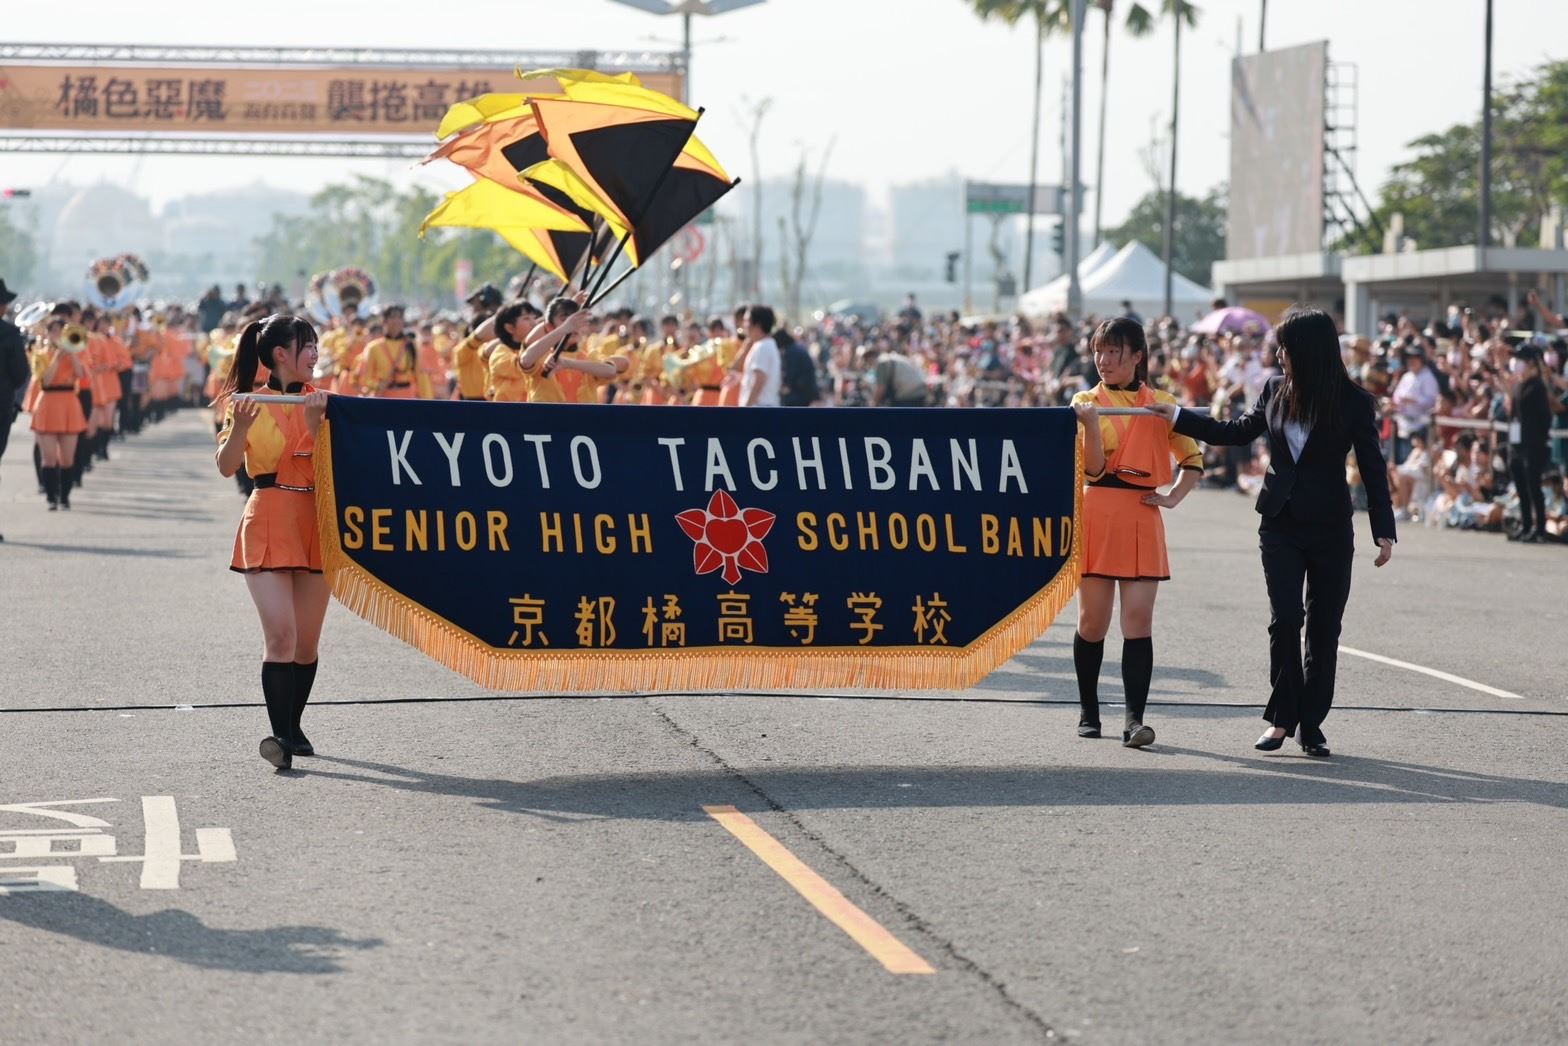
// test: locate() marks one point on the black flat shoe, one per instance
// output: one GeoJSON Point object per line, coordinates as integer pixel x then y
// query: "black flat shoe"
{"type": "Point", "coordinates": [1138, 737]}
{"type": "Point", "coordinates": [1269, 744]}
{"type": "Point", "coordinates": [276, 752]}
{"type": "Point", "coordinates": [1318, 749]}
{"type": "Point", "coordinates": [1089, 730]}
{"type": "Point", "coordinates": [302, 746]}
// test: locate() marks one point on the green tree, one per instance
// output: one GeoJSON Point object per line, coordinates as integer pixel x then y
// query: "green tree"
{"type": "Point", "coordinates": [1053, 18]}
{"type": "Point", "coordinates": [1437, 190]}
{"type": "Point", "coordinates": [18, 256]}
{"type": "Point", "coordinates": [1200, 230]}
{"type": "Point", "coordinates": [370, 223]}
{"type": "Point", "coordinates": [1139, 22]}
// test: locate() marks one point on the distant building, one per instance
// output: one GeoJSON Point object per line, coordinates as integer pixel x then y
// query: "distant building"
{"type": "Point", "coordinates": [194, 242]}
{"type": "Point", "coordinates": [836, 260]}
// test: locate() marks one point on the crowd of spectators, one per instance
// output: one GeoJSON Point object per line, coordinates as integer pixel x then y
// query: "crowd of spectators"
{"type": "Point", "coordinates": [1450, 389]}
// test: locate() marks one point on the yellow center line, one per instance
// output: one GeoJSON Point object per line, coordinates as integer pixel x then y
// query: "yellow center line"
{"type": "Point", "coordinates": [886, 949]}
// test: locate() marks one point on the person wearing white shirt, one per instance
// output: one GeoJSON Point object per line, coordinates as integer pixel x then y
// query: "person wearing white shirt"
{"type": "Point", "coordinates": [1415, 398]}
{"type": "Point", "coordinates": [760, 383]}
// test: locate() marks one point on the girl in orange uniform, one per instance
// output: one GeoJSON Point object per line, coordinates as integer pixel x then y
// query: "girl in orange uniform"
{"type": "Point", "coordinates": [109, 356]}
{"type": "Point", "coordinates": [1126, 459]}
{"type": "Point", "coordinates": [58, 418]}
{"type": "Point", "coordinates": [277, 548]}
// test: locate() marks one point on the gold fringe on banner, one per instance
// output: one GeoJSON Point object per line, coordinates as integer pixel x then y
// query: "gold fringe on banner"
{"type": "Point", "coordinates": [667, 669]}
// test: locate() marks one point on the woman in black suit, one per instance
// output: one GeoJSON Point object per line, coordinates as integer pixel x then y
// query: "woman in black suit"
{"type": "Point", "coordinates": [1529, 450]}
{"type": "Point", "coordinates": [1314, 416]}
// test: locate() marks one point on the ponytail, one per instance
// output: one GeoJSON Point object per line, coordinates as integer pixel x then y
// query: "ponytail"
{"type": "Point", "coordinates": [247, 358]}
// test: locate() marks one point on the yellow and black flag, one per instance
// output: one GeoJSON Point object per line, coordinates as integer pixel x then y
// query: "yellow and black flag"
{"type": "Point", "coordinates": [622, 154]}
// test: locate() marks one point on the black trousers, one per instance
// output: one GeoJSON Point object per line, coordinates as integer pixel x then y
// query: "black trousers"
{"type": "Point", "coordinates": [1318, 558]}
{"type": "Point", "coordinates": [1527, 464]}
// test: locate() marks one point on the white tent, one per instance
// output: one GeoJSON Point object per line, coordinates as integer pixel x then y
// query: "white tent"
{"type": "Point", "coordinates": [1052, 297]}
{"type": "Point", "coordinates": [1137, 275]}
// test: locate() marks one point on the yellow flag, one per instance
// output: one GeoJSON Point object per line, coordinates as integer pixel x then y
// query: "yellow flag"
{"type": "Point", "coordinates": [509, 214]}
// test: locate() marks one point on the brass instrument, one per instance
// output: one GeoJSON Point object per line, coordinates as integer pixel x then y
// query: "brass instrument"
{"type": "Point", "coordinates": [73, 339]}
{"type": "Point", "coordinates": [34, 314]}
{"type": "Point", "coordinates": [110, 284]}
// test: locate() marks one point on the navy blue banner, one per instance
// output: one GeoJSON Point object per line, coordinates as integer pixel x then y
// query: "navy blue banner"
{"type": "Point", "coordinates": [641, 548]}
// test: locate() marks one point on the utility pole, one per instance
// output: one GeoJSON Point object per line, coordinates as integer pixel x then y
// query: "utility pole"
{"type": "Point", "coordinates": [1170, 198]}
{"type": "Point", "coordinates": [1034, 149]}
{"type": "Point", "coordinates": [1484, 231]}
{"type": "Point", "coordinates": [1075, 187]}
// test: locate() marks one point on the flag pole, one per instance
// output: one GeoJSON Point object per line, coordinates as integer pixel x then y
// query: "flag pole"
{"type": "Point", "coordinates": [611, 288]}
{"type": "Point", "coordinates": [586, 261]}
{"type": "Point", "coordinates": [642, 211]}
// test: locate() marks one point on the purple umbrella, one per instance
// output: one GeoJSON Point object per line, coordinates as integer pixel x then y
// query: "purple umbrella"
{"type": "Point", "coordinates": [1234, 320]}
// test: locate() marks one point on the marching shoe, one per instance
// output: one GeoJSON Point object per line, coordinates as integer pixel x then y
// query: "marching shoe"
{"type": "Point", "coordinates": [277, 753]}
{"type": "Point", "coordinates": [301, 744]}
{"type": "Point", "coordinates": [1270, 744]}
{"type": "Point", "coordinates": [1137, 735]}
{"type": "Point", "coordinates": [1088, 729]}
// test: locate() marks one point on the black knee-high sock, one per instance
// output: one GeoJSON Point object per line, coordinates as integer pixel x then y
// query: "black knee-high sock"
{"type": "Point", "coordinates": [1086, 663]}
{"type": "Point", "coordinates": [50, 478]}
{"type": "Point", "coordinates": [277, 688]}
{"type": "Point", "coordinates": [1137, 670]}
{"type": "Point", "coordinates": [66, 481]}
{"type": "Point", "coordinates": [38, 465]}
{"type": "Point", "coordinates": [304, 679]}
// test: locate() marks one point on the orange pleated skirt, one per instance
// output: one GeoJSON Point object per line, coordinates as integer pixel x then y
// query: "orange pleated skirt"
{"type": "Point", "coordinates": [1123, 539]}
{"type": "Point", "coordinates": [59, 413]}
{"type": "Point", "coordinates": [707, 397]}
{"type": "Point", "coordinates": [278, 532]}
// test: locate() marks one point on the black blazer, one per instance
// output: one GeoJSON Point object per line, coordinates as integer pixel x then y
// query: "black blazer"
{"type": "Point", "coordinates": [1312, 490]}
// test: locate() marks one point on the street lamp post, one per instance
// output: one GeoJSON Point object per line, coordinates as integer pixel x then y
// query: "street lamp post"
{"type": "Point", "coordinates": [687, 8]}
{"type": "Point", "coordinates": [1075, 187]}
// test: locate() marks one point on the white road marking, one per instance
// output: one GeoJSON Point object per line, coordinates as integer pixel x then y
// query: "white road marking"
{"type": "Point", "coordinates": [1434, 673]}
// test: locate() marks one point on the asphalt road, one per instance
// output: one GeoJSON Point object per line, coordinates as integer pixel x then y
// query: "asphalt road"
{"type": "Point", "coordinates": [465, 867]}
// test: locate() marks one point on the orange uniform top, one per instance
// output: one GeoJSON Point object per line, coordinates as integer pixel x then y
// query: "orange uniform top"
{"type": "Point", "coordinates": [278, 441]}
{"type": "Point", "coordinates": [508, 383]}
{"type": "Point", "coordinates": [473, 373]}
{"type": "Point", "coordinates": [382, 366]}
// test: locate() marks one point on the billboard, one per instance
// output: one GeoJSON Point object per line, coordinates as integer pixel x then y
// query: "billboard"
{"type": "Point", "coordinates": [342, 101]}
{"type": "Point", "coordinates": [1276, 152]}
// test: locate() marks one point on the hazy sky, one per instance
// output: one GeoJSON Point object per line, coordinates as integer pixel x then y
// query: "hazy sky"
{"type": "Point", "coordinates": [909, 88]}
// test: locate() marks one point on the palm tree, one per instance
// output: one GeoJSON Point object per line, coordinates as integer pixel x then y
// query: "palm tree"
{"type": "Point", "coordinates": [1056, 16]}
{"type": "Point", "coordinates": [1050, 17]}
{"type": "Point", "coordinates": [1139, 22]}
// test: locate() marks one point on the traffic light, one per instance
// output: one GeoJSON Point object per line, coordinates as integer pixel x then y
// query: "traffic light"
{"type": "Point", "coordinates": [952, 266]}
{"type": "Point", "coordinates": [1058, 238]}
{"type": "Point", "coordinates": [12, 194]}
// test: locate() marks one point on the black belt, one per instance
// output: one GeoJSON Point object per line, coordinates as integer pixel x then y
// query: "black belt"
{"type": "Point", "coordinates": [270, 479]}
{"type": "Point", "coordinates": [481, 399]}
{"type": "Point", "coordinates": [400, 385]}
{"type": "Point", "coordinates": [59, 388]}
{"type": "Point", "coordinates": [711, 388]}
{"type": "Point", "coordinates": [1117, 483]}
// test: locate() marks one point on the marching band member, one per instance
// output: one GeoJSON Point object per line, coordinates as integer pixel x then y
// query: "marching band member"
{"type": "Point", "coordinates": [550, 360]}
{"type": "Point", "coordinates": [1126, 460]}
{"type": "Point", "coordinates": [431, 380]}
{"type": "Point", "coordinates": [390, 363]}
{"type": "Point", "coordinates": [702, 366]}
{"type": "Point", "coordinates": [58, 418]}
{"type": "Point", "coordinates": [347, 347]}
{"type": "Point", "coordinates": [732, 357]}
{"type": "Point", "coordinates": [277, 547]}
{"type": "Point", "coordinates": [103, 351]}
